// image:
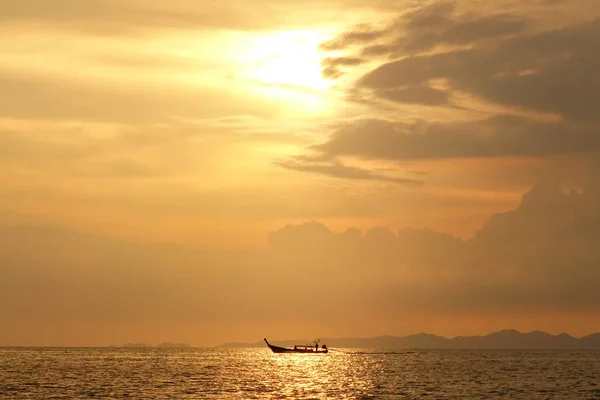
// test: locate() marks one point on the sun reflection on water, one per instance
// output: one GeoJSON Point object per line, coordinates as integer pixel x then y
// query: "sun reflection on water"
{"type": "Point", "coordinates": [320, 376]}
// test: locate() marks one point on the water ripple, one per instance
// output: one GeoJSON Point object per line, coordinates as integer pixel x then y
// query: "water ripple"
{"type": "Point", "coordinates": [88, 373]}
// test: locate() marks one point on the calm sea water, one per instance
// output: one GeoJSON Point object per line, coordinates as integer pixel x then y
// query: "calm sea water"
{"type": "Point", "coordinates": [81, 373]}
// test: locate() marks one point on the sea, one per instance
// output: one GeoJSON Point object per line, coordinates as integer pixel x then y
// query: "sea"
{"type": "Point", "coordinates": [257, 373]}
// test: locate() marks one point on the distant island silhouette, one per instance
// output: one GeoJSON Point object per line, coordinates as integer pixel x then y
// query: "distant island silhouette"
{"type": "Point", "coordinates": [504, 339]}
{"type": "Point", "coordinates": [161, 345]}
{"type": "Point", "coordinates": [173, 345]}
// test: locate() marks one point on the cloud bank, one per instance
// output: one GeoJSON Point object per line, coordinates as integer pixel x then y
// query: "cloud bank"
{"type": "Point", "coordinates": [516, 84]}
{"type": "Point", "coordinates": [540, 257]}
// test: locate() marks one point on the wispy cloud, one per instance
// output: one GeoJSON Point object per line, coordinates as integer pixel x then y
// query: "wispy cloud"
{"type": "Point", "coordinates": [337, 169]}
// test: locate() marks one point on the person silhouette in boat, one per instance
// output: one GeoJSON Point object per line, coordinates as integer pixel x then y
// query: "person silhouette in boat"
{"type": "Point", "coordinates": [317, 346]}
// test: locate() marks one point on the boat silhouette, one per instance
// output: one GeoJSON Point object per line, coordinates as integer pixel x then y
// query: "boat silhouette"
{"type": "Point", "coordinates": [299, 348]}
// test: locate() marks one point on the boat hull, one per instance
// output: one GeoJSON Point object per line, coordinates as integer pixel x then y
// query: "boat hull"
{"type": "Point", "coordinates": [279, 349]}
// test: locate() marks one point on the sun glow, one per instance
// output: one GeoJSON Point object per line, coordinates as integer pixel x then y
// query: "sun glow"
{"type": "Point", "coordinates": [286, 64]}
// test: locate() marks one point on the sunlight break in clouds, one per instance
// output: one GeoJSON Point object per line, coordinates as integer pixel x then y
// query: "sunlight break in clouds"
{"type": "Point", "coordinates": [286, 65]}
{"type": "Point", "coordinates": [286, 58]}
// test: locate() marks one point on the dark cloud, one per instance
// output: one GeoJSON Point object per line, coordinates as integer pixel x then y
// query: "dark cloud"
{"type": "Point", "coordinates": [432, 16]}
{"type": "Point", "coordinates": [499, 136]}
{"type": "Point", "coordinates": [343, 61]}
{"type": "Point", "coordinates": [333, 66]}
{"type": "Point", "coordinates": [338, 170]}
{"type": "Point", "coordinates": [358, 35]}
{"type": "Point", "coordinates": [491, 26]}
{"type": "Point", "coordinates": [500, 60]}
{"type": "Point", "coordinates": [415, 94]}
{"type": "Point", "coordinates": [379, 252]}
{"type": "Point", "coordinates": [541, 254]}
{"type": "Point", "coordinates": [553, 71]}
{"type": "Point", "coordinates": [331, 72]}
{"type": "Point", "coordinates": [459, 32]}
{"type": "Point", "coordinates": [427, 27]}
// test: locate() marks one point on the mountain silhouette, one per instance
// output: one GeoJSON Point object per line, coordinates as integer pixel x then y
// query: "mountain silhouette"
{"type": "Point", "coordinates": [504, 339]}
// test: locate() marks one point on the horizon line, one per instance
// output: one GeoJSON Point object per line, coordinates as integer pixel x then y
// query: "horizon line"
{"type": "Point", "coordinates": [185, 345]}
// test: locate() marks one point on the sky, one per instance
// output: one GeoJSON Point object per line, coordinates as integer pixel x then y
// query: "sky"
{"type": "Point", "coordinates": [202, 172]}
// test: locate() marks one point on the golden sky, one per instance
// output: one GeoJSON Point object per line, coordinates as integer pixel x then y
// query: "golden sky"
{"type": "Point", "coordinates": [417, 165]}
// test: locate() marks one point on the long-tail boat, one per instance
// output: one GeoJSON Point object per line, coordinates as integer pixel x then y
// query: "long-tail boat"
{"type": "Point", "coordinates": [299, 348]}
